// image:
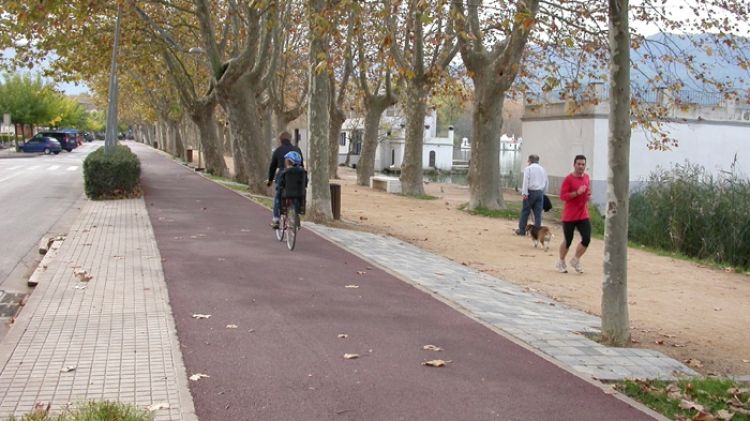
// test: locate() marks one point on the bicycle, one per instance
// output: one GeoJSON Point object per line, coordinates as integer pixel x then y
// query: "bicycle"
{"type": "Point", "coordinates": [289, 222]}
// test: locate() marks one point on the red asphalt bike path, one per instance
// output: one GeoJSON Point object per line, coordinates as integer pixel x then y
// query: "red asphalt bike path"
{"type": "Point", "coordinates": [285, 360]}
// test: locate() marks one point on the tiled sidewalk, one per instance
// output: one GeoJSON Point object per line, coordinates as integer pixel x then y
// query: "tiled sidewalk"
{"type": "Point", "coordinates": [116, 330]}
{"type": "Point", "coordinates": [533, 319]}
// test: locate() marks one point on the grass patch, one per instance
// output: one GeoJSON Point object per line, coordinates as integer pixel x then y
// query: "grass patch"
{"type": "Point", "coordinates": [512, 211]}
{"type": "Point", "coordinates": [93, 411]}
{"type": "Point", "coordinates": [266, 202]}
{"type": "Point", "coordinates": [686, 399]}
{"type": "Point", "coordinates": [418, 196]}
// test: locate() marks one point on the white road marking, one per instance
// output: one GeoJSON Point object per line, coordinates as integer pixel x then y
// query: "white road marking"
{"type": "Point", "coordinates": [72, 167]}
{"type": "Point", "coordinates": [53, 167]}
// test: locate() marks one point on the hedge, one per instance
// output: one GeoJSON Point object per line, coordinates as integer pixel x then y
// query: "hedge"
{"type": "Point", "coordinates": [112, 176]}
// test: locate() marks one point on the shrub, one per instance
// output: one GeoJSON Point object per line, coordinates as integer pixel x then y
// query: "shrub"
{"type": "Point", "coordinates": [690, 211]}
{"type": "Point", "coordinates": [92, 411]}
{"type": "Point", "coordinates": [114, 175]}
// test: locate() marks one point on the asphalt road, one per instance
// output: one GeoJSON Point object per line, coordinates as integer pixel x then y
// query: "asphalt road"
{"type": "Point", "coordinates": [38, 196]}
{"type": "Point", "coordinates": [272, 348]}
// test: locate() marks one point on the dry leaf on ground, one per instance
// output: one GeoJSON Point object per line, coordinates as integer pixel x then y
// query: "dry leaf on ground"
{"type": "Point", "coordinates": [197, 376]}
{"type": "Point", "coordinates": [352, 286]}
{"type": "Point", "coordinates": [703, 416]}
{"type": "Point", "coordinates": [692, 362]}
{"type": "Point", "coordinates": [82, 275]}
{"type": "Point", "coordinates": [723, 414]}
{"type": "Point", "coordinates": [80, 287]}
{"type": "Point", "coordinates": [68, 369]}
{"type": "Point", "coordinates": [343, 336]}
{"type": "Point", "coordinates": [351, 356]}
{"type": "Point", "coordinates": [361, 272]}
{"type": "Point", "coordinates": [686, 404]}
{"type": "Point", "coordinates": [435, 363]}
{"type": "Point", "coordinates": [231, 326]}
{"type": "Point", "coordinates": [432, 348]}
{"type": "Point", "coordinates": [156, 406]}
{"type": "Point", "coordinates": [201, 316]}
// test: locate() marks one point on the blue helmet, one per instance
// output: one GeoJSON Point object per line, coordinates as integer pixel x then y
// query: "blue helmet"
{"type": "Point", "coordinates": [294, 157]}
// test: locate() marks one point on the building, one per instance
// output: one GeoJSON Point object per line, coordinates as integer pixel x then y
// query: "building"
{"type": "Point", "coordinates": [710, 131]}
{"type": "Point", "coordinates": [437, 152]}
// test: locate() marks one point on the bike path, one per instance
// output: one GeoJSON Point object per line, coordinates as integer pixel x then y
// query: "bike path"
{"type": "Point", "coordinates": [285, 359]}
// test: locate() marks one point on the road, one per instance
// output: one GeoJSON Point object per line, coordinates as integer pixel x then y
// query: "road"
{"type": "Point", "coordinates": [38, 196]}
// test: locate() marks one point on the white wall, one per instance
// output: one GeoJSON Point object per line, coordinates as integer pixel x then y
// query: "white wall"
{"type": "Point", "coordinates": [712, 144]}
{"type": "Point", "coordinates": [557, 142]}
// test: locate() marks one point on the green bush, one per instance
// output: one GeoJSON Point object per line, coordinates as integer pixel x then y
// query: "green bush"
{"type": "Point", "coordinates": [114, 175]}
{"type": "Point", "coordinates": [692, 212]}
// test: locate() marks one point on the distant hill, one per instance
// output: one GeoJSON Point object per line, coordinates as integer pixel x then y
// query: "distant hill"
{"type": "Point", "coordinates": [715, 63]}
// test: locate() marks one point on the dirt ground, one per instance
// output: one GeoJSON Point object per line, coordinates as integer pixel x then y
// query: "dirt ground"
{"type": "Point", "coordinates": [680, 308]}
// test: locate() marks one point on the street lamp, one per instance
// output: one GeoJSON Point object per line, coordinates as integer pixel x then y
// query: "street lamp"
{"type": "Point", "coordinates": [110, 137]}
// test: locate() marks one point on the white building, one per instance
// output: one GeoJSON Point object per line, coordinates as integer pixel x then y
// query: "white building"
{"type": "Point", "coordinates": [437, 152]}
{"type": "Point", "coordinates": [711, 132]}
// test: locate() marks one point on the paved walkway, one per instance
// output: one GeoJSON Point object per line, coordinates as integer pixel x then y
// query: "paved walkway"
{"type": "Point", "coordinates": [115, 336]}
{"type": "Point", "coordinates": [110, 338]}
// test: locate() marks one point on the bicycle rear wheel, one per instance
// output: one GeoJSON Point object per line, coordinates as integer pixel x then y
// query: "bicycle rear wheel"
{"type": "Point", "coordinates": [282, 227]}
{"type": "Point", "coordinates": [292, 226]}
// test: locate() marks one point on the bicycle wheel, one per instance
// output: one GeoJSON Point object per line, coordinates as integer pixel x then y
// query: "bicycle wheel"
{"type": "Point", "coordinates": [291, 236]}
{"type": "Point", "coordinates": [282, 227]}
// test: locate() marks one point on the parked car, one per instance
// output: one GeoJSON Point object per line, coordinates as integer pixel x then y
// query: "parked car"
{"type": "Point", "coordinates": [88, 136]}
{"type": "Point", "coordinates": [41, 143]}
{"type": "Point", "coordinates": [68, 138]}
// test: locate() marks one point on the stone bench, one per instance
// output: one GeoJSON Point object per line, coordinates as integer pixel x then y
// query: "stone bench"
{"type": "Point", "coordinates": [385, 183]}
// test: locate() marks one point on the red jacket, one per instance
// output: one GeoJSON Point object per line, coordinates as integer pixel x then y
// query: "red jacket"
{"type": "Point", "coordinates": [576, 206]}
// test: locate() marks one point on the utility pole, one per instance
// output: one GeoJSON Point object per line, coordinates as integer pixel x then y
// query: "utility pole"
{"type": "Point", "coordinates": [110, 137]}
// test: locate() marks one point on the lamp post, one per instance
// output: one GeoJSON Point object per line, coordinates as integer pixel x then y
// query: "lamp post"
{"type": "Point", "coordinates": [110, 137]}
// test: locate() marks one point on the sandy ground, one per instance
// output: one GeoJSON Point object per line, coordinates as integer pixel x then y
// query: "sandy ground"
{"type": "Point", "coordinates": [682, 309]}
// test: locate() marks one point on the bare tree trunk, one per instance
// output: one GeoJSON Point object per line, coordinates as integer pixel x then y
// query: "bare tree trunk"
{"type": "Point", "coordinates": [179, 147]}
{"type": "Point", "coordinates": [411, 168]}
{"type": "Point", "coordinates": [337, 121]}
{"type": "Point", "coordinates": [319, 195]}
{"type": "Point", "coordinates": [615, 318]}
{"type": "Point", "coordinates": [203, 116]}
{"type": "Point", "coordinates": [484, 171]}
{"type": "Point", "coordinates": [366, 165]}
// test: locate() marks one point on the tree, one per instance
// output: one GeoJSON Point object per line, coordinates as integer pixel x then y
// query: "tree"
{"type": "Point", "coordinates": [376, 89]}
{"type": "Point", "coordinates": [319, 203]}
{"type": "Point", "coordinates": [338, 94]}
{"type": "Point", "coordinates": [427, 47]}
{"type": "Point", "coordinates": [615, 320]}
{"type": "Point", "coordinates": [493, 72]}
{"type": "Point", "coordinates": [29, 100]}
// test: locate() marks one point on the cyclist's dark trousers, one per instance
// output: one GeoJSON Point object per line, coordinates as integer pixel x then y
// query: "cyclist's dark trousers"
{"type": "Point", "coordinates": [277, 200]}
{"type": "Point", "coordinates": [583, 226]}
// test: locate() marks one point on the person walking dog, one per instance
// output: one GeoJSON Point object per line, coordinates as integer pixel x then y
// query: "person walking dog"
{"type": "Point", "coordinates": [535, 183]}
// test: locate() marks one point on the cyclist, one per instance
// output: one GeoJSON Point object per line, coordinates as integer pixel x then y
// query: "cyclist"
{"type": "Point", "coordinates": [292, 181]}
{"type": "Point", "coordinates": [278, 163]}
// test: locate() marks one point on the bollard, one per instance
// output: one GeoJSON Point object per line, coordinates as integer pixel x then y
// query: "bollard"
{"type": "Point", "coordinates": [189, 155]}
{"type": "Point", "coordinates": [336, 200]}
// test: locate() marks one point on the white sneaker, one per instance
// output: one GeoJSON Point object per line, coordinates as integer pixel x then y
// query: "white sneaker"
{"type": "Point", "coordinates": [560, 266]}
{"type": "Point", "coordinates": [576, 265]}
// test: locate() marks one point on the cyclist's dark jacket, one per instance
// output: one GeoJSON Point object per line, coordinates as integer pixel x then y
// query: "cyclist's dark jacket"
{"type": "Point", "coordinates": [277, 159]}
{"type": "Point", "coordinates": [293, 182]}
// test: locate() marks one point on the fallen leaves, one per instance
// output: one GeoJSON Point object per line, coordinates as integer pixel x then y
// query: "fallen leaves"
{"type": "Point", "coordinates": [197, 376]}
{"type": "Point", "coordinates": [361, 272]}
{"type": "Point", "coordinates": [432, 348]}
{"type": "Point", "coordinates": [82, 275]}
{"type": "Point", "coordinates": [343, 336]}
{"type": "Point", "coordinates": [352, 286]}
{"type": "Point", "coordinates": [435, 363]}
{"type": "Point", "coordinates": [68, 369]}
{"type": "Point", "coordinates": [231, 326]}
{"type": "Point", "coordinates": [157, 406]}
{"type": "Point", "coordinates": [694, 363]}
{"type": "Point", "coordinates": [201, 316]}
{"type": "Point", "coordinates": [351, 356]}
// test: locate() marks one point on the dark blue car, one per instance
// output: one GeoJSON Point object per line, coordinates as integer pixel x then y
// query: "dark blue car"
{"type": "Point", "coordinates": [41, 144]}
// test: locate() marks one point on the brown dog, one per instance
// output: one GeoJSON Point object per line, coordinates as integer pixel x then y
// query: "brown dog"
{"type": "Point", "coordinates": [544, 236]}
